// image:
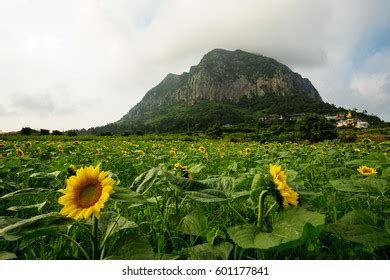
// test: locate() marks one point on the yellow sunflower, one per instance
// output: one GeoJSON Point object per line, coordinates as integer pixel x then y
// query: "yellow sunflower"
{"type": "Point", "coordinates": [202, 149]}
{"type": "Point", "coordinates": [19, 153]}
{"type": "Point", "coordinates": [173, 152]}
{"type": "Point", "coordinates": [28, 144]}
{"type": "Point", "coordinates": [366, 171]}
{"type": "Point", "coordinates": [286, 195]}
{"type": "Point", "coordinates": [86, 193]}
{"type": "Point", "coordinates": [182, 170]}
{"type": "Point", "coordinates": [278, 175]}
{"type": "Point", "coordinates": [245, 152]}
{"type": "Point", "coordinates": [60, 149]}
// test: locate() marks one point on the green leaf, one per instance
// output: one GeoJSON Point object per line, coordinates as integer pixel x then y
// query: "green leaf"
{"type": "Point", "coordinates": [38, 206]}
{"type": "Point", "coordinates": [127, 195]}
{"type": "Point", "coordinates": [7, 255]}
{"type": "Point", "coordinates": [360, 185]}
{"type": "Point", "coordinates": [360, 226]}
{"type": "Point", "coordinates": [111, 223]}
{"type": "Point", "coordinates": [146, 180]}
{"type": "Point", "coordinates": [196, 168]}
{"type": "Point", "coordinates": [7, 220]}
{"type": "Point", "coordinates": [387, 226]}
{"type": "Point", "coordinates": [244, 235]}
{"type": "Point", "coordinates": [291, 175]}
{"type": "Point", "coordinates": [293, 228]}
{"type": "Point", "coordinates": [45, 174]}
{"type": "Point", "coordinates": [132, 247]}
{"type": "Point", "coordinates": [194, 223]}
{"type": "Point", "coordinates": [232, 167]}
{"type": "Point", "coordinates": [27, 191]}
{"type": "Point", "coordinates": [258, 185]}
{"type": "Point", "coordinates": [40, 225]}
{"type": "Point", "coordinates": [183, 184]}
{"type": "Point", "coordinates": [207, 196]}
{"type": "Point", "coordinates": [235, 195]}
{"type": "Point", "coordinates": [210, 252]}
{"type": "Point", "coordinates": [214, 234]}
{"type": "Point", "coordinates": [223, 183]}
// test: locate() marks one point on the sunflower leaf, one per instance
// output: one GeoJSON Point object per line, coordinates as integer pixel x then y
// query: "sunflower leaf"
{"type": "Point", "coordinates": [210, 252]}
{"type": "Point", "coordinates": [146, 180]}
{"type": "Point", "coordinates": [27, 191]}
{"type": "Point", "coordinates": [128, 195]}
{"type": "Point", "coordinates": [194, 223]}
{"type": "Point", "coordinates": [360, 185]}
{"type": "Point", "coordinates": [45, 174]}
{"type": "Point", "coordinates": [7, 255]}
{"type": "Point", "coordinates": [38, 206]}
{"type": "Point", "coordinates": [360, 226]}
{"type": "Point", "coordinates": [132, 247]}
{"type": "Point", "coordinates": [111, 223]}
{"type": "Point", "coordinates": [208, 195]}
{"type": "Point", "coordinates": [36, 226]}
{"type": "Point", "coordinates": [183, 184]}
{"type": "Point", "coordinates": [293, 228]}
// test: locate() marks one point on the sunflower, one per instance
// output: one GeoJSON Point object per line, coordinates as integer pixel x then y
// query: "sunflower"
{"type": "Point", "coordinates": [286, 195]}
{"type": "Point", "coordinates": [366, 171]}
{"type": "Point", "coordinates": [245, 152]}
{"type": "Point", "coordinates": [173, 152]}
{"type": "Point", "coordinates": [19, 153]}
{"type": "Point", "coordinates": [202, 149]}
{"type": "Point", "coordinates": [60, 149]}
{"type": "Point", "coordinates": [182, 170]}
{"type": "Point", "coordinates": [29, 144]}
{"type": "Point", "coordinates": [86, 193]}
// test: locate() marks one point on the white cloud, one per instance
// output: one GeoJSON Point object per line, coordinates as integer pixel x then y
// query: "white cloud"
{"type": "Point", "coordinates": [370, 84]}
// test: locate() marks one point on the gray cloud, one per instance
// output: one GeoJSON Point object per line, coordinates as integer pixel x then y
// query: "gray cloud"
{"type": "Point", "coordinates": [109, 53]}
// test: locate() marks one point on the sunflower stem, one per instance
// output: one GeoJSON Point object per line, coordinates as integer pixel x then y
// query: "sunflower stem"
{"type": "Point", "coordinates": [237, 213]}
{"type": "Point", "coordinates": [95, 236]}
{"type": "Point", "coordinates": [77, 244]}
{"type": "Point", "coordinates": [260, 209]}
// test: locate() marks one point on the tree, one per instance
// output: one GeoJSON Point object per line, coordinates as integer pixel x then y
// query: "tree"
{"type": "Point", "coordinates": [44, 132]}
{"type": "Point", "coordinates": [71, 133]}
{"type": "Point", "coordinates": [26, 131]}
{"type": "Point", "coordinates": [315, 128]}
{"type": "Point", "coordinates": [56, 132]}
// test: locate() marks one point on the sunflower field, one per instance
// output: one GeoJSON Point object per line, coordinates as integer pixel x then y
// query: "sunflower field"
{"type": "Point", "coordinates": [165, 198]}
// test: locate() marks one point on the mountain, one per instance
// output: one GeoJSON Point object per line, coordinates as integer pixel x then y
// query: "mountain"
{"type": "Point", "coordinates": [226, 87]}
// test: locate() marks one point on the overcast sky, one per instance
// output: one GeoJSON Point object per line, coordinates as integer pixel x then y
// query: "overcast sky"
{"type": "Point", "coordinates": [80, 63]}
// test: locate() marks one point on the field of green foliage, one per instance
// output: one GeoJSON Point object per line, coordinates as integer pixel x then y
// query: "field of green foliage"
{"type": "Point", "coordinates": [196, 198]}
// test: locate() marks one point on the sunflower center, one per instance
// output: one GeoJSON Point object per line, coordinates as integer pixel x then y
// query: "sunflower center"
{"type": "Point", "coordinates": [89, 195]}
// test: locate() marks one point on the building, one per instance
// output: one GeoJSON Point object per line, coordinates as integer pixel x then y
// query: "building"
{"type": "Point", "coordinates": [353, 123]}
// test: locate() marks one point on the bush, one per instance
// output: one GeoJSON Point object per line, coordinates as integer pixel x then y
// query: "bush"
{"type": "Point", "coordinates": [56, 132]}
{"type": "Point", "coordinates": [315, 128]}
{"type": "Point", "coordinates": [44, 132]}
{"type": "Point", "coordinates": [27, 131]}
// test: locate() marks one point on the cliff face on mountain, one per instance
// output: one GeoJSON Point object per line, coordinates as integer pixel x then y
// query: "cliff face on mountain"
{"type": "Point", "coordinates": [226, 87]}
{"type": "Point", "coordinates": [227, 76]}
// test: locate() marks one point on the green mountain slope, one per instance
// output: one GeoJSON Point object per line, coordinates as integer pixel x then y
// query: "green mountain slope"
{"type": "Point", "coordinates": [226, 87]}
